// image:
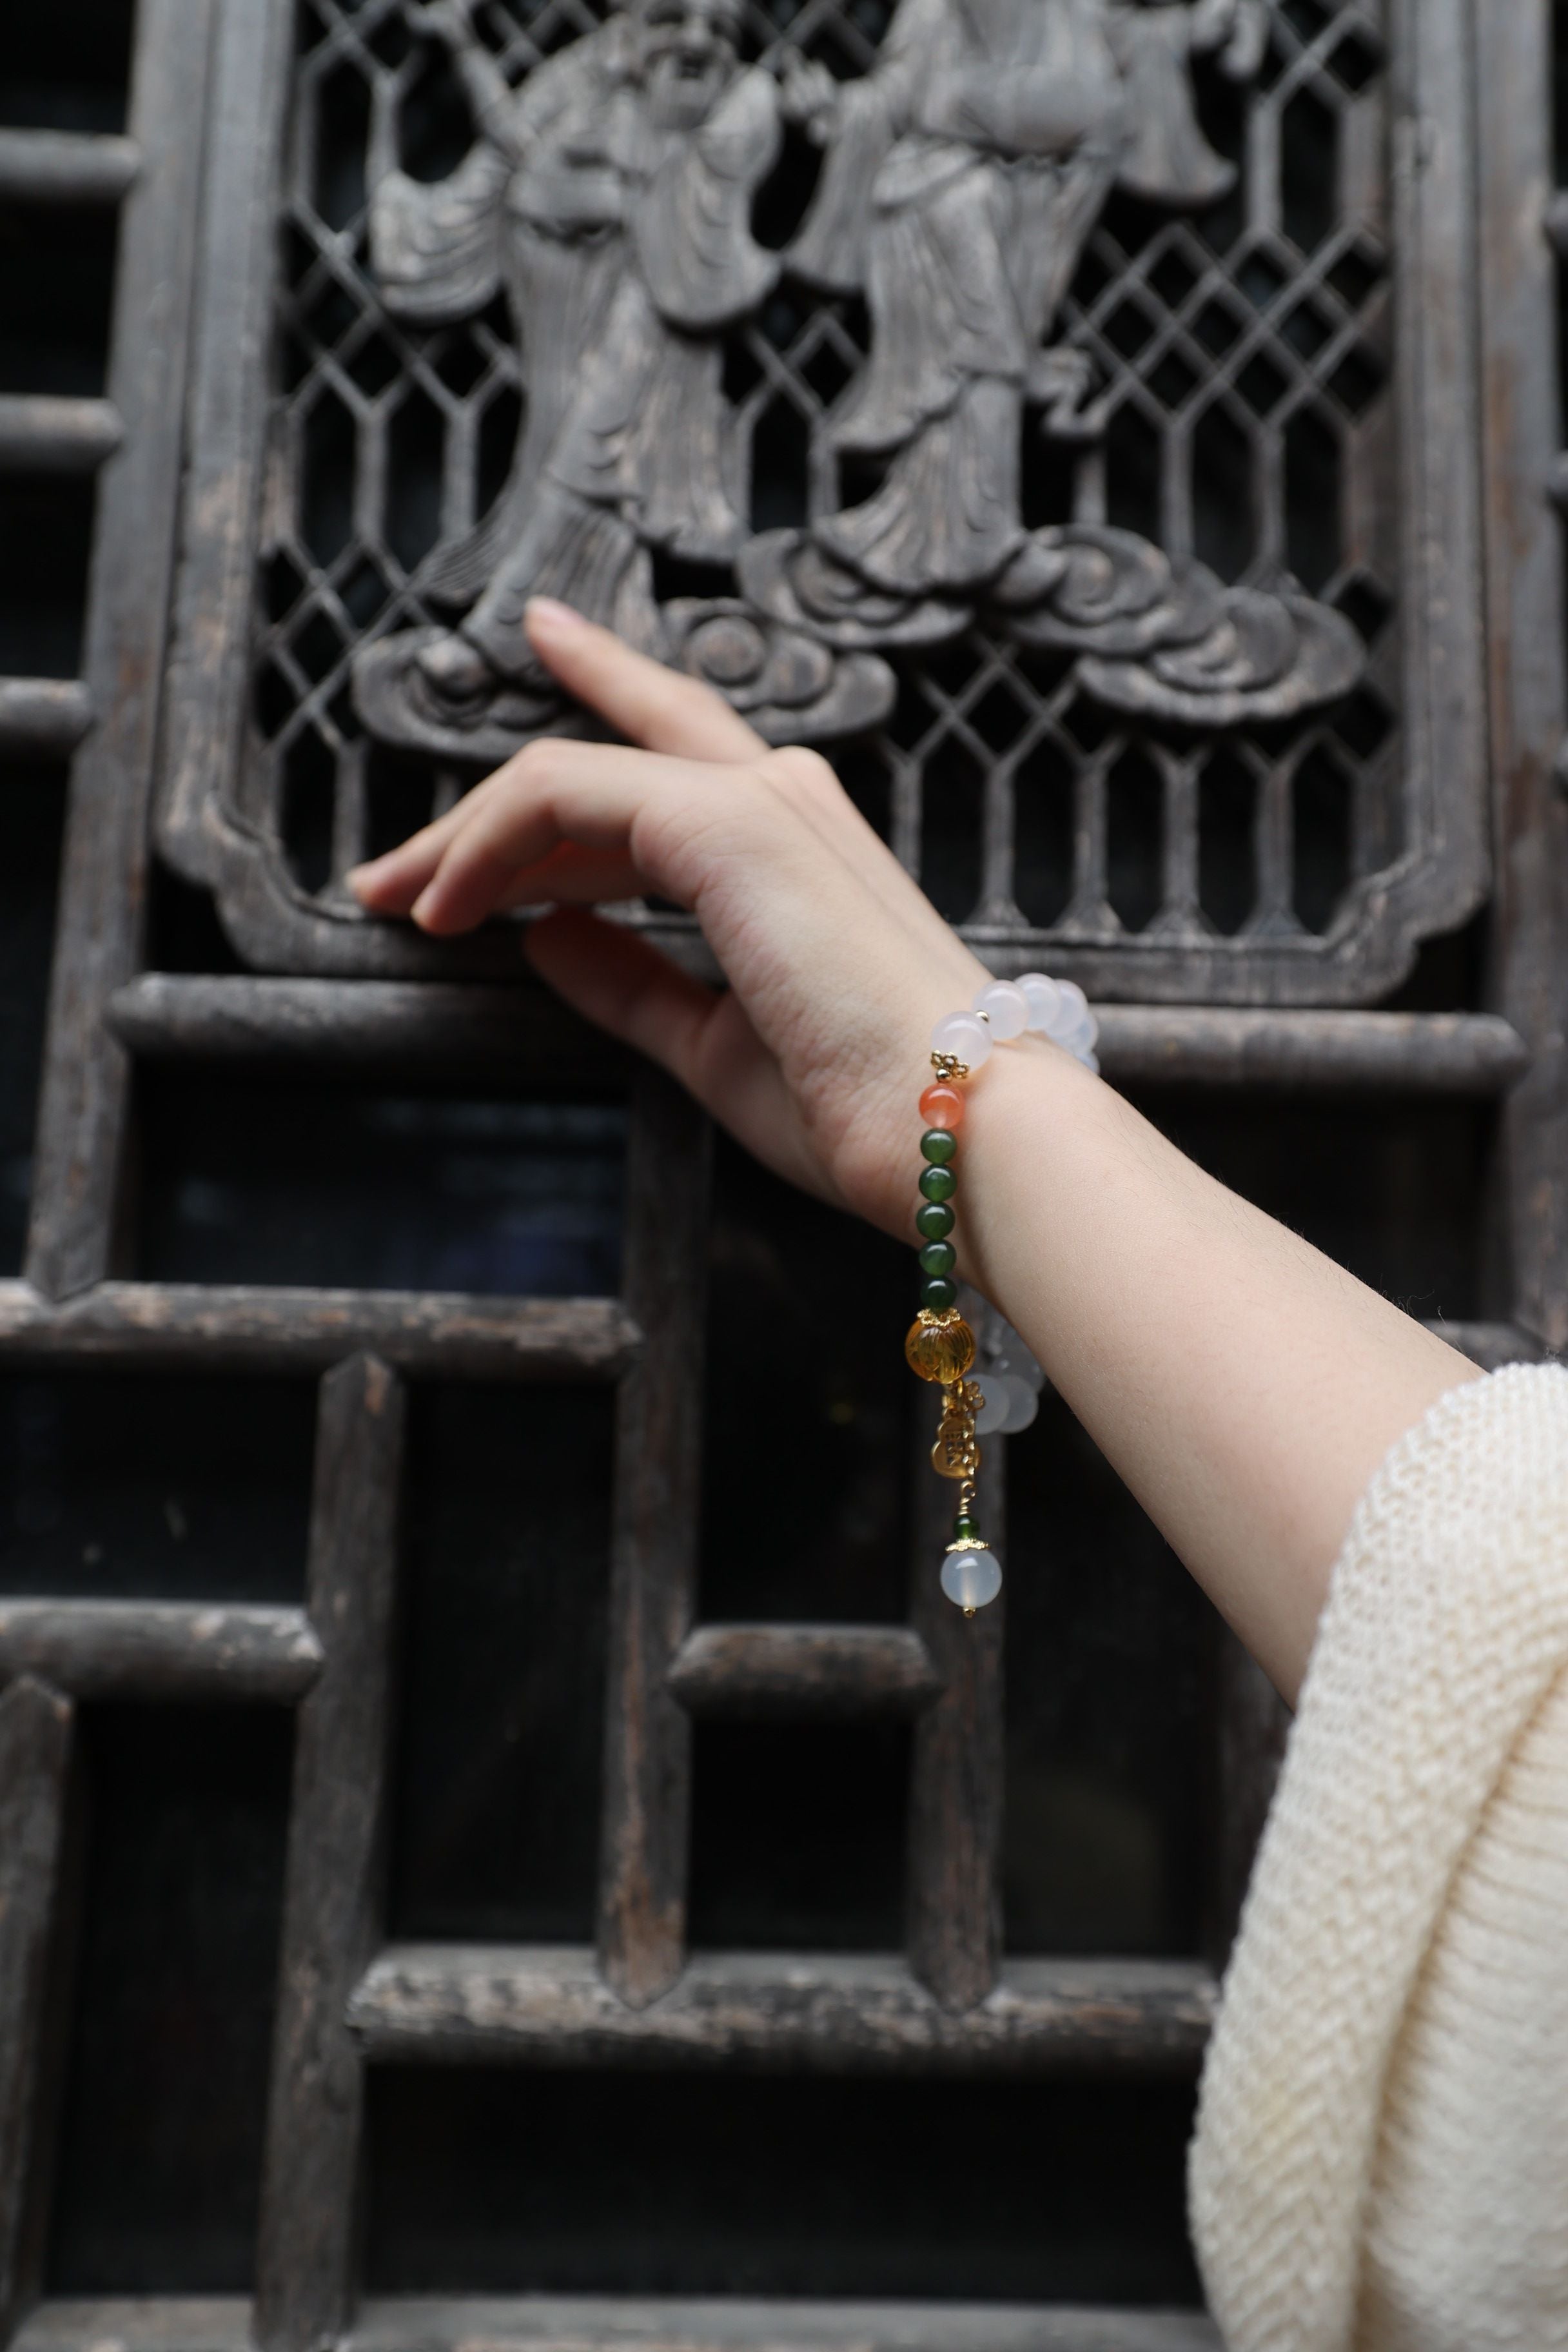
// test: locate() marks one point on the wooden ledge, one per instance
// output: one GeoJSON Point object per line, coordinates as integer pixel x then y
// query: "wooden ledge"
{"type": "Point", "coordinates": [160, 1649]}
{"type": "Point", "coordinates": [835, 2013]}
{"type": "Point", "coordinates": [515, 1032]}
{"type": "Point", "coordinates": [539, 2323]}
{"type": "Point", "coordinates": [451, 1336]}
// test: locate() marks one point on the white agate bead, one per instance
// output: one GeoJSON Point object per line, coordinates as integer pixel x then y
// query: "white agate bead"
{"type": "Point", "coordinates": [1042, 996]}
{"type": "Point", "coordinates": [993, 1414]}
{"type": "Point", "coordinates": [1022, 1406]}
{"type": "Point", "coordinates": [963, 1035]}
{"type": "Point", "coordinates": [1011, 1404]}
{"type": "Point", "coordinates": [1075, 1026]}
{"type": "Point", "coordinates": [1006, 1008]}
{"type": "Point", "coordinates": [971, 1578]}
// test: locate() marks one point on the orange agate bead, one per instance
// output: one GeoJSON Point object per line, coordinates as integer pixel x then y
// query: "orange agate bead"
{"type": "Point", "coordinates": [942, 1107]}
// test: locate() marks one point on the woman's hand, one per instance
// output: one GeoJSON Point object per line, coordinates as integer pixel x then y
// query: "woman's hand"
{"type": "Point", "coordinates": [837, 964]}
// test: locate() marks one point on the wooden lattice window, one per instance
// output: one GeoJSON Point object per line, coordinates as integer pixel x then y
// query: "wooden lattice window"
{"type": "Point", "coordinates": [488, 1851]}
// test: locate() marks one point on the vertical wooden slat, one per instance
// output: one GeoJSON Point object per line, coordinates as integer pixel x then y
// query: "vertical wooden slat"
{"type": "Point", "coordinates": [953, 1899]}
{"type": "Point", "coordinates": [86, 1083]}
{"type": "Point", "coordinates": [332, 1897]}
{"type": "Point", "coordinates": [230, 399]}
{"type": "Point", "coordinates": [1522, 424]}
{"type": "Point", "coordinates": [35, 1761]}
{"type": "Point", "coordinates": [648, 1741]}
{"type": "Point", "coordinates": [1439, 475]}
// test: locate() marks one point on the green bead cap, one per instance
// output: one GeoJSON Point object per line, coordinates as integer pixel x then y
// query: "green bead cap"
{"type": "Point", "coordinates": [938, 1184]}
{"type": "Point", "coordinates": [939, 1146]}
{"type": "Point", "coordinates": [939, 1295]}
{"type": "Point", "coordinates": [938, 1257]}
{"type": "Point", "coordinates": [935, 1221]}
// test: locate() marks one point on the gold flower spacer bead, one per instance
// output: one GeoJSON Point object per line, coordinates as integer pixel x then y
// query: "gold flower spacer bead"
{"type": "Point", "coordinates": [948, 1067]}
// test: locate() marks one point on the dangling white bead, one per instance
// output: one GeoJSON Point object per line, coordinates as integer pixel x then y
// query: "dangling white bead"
{"type": "Point", "coordinates": [1043, 997]}
{"type": "Point", "coordinates": [995, 1414]}
{"type": "Point", "coordinates": [966, 1036]}
{"type": "Point", "coordinates": [1006, 1008]}
{"type": "Point", "coordinates": [972, 1576]}
{"type": "Point", "coordinates": [1011, 1404]}
{"type": "Point", "coordinates": [1023, 1407]}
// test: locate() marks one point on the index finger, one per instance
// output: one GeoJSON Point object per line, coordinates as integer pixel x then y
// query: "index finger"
{"type": "Point", "coordinates": [646, 702]}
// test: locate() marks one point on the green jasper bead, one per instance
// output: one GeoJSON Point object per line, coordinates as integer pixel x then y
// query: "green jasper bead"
{"type": "Point", "coordinates": [939, 1146]}
{"type": "Point", "coordinates": [964, 1529]}
{"type": "Point", "coordinates": [938, 1184]}
{"type": "Point", "coordinates": [939, 1295]}
{"type": "Point", "coordinates": [938, 1257]}
{"type": "Point", "coordinates": [935, 1221]}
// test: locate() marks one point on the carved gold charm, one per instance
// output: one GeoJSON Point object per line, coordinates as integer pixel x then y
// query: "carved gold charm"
{"type": "Point", "coordinates": [957, 1453]}
{"type": "Point", "coordinates": [940, 1346]}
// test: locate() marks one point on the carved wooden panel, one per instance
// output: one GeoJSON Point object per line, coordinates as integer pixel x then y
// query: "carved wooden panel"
{"type": "Point", "coordinates": [1029, 404]}
{"type": "Point", "coordinates": [1340, 261]}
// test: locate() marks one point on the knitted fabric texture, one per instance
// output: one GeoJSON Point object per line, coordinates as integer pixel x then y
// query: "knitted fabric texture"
{"type": "Point", "coordinates": [1380, 2160]}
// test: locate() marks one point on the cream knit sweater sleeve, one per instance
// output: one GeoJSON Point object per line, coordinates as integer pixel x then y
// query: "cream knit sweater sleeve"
{"type": "Point", "coordinates": [1381, 2161]}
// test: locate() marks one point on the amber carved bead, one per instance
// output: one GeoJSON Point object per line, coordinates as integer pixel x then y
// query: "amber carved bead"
{"type": "Point", "coordinates": [940, 1346]}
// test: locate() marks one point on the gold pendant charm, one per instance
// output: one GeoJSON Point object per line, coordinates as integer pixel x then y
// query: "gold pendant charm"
{"type": "Point", "coordinates": [957, 1453]}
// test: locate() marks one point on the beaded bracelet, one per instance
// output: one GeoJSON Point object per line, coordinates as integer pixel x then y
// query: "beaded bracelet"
{"type": "Point", "coordinates": [940, 1345]}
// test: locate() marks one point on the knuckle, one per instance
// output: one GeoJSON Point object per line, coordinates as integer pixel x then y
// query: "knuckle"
{"type": "Point", "coordinates": [799, 769]}
{"type": "Point", "coordinates": [533, 769]}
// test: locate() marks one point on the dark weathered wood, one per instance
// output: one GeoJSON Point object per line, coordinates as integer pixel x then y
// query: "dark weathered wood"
{"type": "Point", "coordinates": [42, 433]}
{"type": "Point", "coordinates": [952, 1893]}
{"type": "Point", "coordinates": [550, 2323]}
{"type": "Point", "coordinates": [240, 1329]}
{"type": "Point", "coordinates": [1252, 1723]}
{"type": "Point", "coordinates": [437, 1025]}
{"type": "Point", "coordinates": [1522, 419]}
{"type": "Point", "coordinates": [36, 1725]}
{"type": "Point", "coordinates": [482, 2003]}
{"type": "Point", "coordinates": [66, 167]}
{"type": "Point", "coordinates": [332, 1889]}
{"type": "Point", "coordinates": [647, 2324]}
{"type": "Point", "coordinates": [648, 1735]}
{"type": "Point", "coordinates": [1438, 485]}
{"type": "Point", "coordinates": [83, 1102]}
{"type": "Point", "coordinates": [209, 681]}
{"type": "Point", "coordinates": [803, 1670]}
{"type": "Point", "coordinates": [1404, 1053]}
{"type": "Point", "coordinates": [160, 1649]}
{"type": "Point", "coordinates": [1492, 1345]}
{"type": "Point", "coordinates": [46, 716]}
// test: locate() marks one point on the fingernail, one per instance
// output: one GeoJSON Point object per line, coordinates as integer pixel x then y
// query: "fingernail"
{"type": "Point", "coordinates": [554, 614]}
{"type": "Point", "coordinates": [420, 908]}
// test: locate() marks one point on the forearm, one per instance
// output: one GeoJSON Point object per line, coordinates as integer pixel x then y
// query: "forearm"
{"type": "Point", "coordinates": [1243, 1386]}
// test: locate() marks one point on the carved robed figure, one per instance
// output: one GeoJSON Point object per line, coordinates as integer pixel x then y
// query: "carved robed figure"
{"type": "Point", "coordinates": [611, 196]}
